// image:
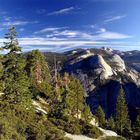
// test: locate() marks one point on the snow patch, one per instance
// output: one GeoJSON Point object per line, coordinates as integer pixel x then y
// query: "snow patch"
{"type": "Point", "coordinates": [94, 122]}
{"type": "Point", "coordinates": [78, 137]}
{"type": "Point", "coordinates": [39, 108]}
{"type": "Point", "coordinates": [108, 132]}
{"type": "Point", "coordinates": [1, 93]}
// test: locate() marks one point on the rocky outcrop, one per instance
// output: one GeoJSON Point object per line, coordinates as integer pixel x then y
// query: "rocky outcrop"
{"type": "Point", "coordinates": [135, 76]}
{"type": "Point", "coordinates": [95, 63]}
{"type": "Point", "coordinates": [118, 63]}
{"type": "Point", "coordinates": [106, 70]}
{"type": "Point", "coordinates": [107, 49]}
{"type": "Point", "coordinates": [86, 54]}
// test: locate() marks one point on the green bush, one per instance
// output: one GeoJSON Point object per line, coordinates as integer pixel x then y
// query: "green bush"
{"type": "Point", "coordinates": [75, 126]}
{"type": "Point", "coordinates": [20, 123]}
{"type": "Point", "coordinates": [90, 130]}
{"type": "Point", "coordinates": [70, 126]}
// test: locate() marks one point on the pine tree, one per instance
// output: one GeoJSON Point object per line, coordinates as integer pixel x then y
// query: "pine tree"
{"type": "Point", "coordinates": [75, 97]}
{"type": "Point", "coordinates": [111, 123]}
{"type": "Point", "coordinates": [86, 114]}
{"type": "Point", "coordinates": [100, 116]}
{"type": "Point", "coordinates": [71, 101]}
{"type": "Point", "coordinates": [37, 66]}
{"type": "Point", "coordinates": [38, 71]}
{"type": "Point", "coordinates": [136, 128]}
{"type": "Point", "coordinates": [137, 123]}
{"type": "Point", "coordinates": [12, 44]}
{"type": "Point", "coordinates": [122, 117]}
{"type": "Point", "coordinates": [59, 108]}
{"type": "Point", "coordinates": [16, 81]}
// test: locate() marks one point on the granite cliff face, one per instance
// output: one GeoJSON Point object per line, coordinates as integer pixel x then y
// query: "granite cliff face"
{"type": "Point", "coordinates": [102, 75]}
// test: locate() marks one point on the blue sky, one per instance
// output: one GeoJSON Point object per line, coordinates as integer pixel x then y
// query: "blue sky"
{"type": "Point", "coordinates": [60, 25]}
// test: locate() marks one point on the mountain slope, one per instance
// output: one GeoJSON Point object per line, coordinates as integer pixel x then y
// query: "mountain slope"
{"type": "Point", "coordinates": [102, 73]}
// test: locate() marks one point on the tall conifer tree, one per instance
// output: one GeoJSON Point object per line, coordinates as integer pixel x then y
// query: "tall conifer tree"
{"type": "Point", "coordinates": [122, 117]}
{"type": "Point", "coordinates": [38, 71]}
{"type": "Point", "coordinates": [100, 116]}
{"type": "Point", "coordinates": [16, 81]}
{"type": "Point", "coordinates": [75, 97]}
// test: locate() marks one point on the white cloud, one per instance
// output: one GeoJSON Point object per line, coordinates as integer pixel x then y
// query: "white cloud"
{"type": "Point", "coordinates": [64, 45]}
{"type": "Point", "coordinates": [46, 30]}
{"type": "Point", "coordinates": [69, 34]}
{"type": "Point", "coordinates": [60, 39]}
{"type": "Point", "coordinates": [51, 29]}
{"type": "Point", "coordinates": [101, 30]}
{"type": "Point", "coordinates": [107, 35]}
{"type": "Point", "coordinates": [16, 23]}
{"type": "Point", "coordinates": [61, 45]}
{"type": "Point", "coordinates": [113, 18]}
{"type": "Point", "coordinates": [101, 34]}
{"type": "Point", "coordinates": [45, 41]}
{"type": "Point", "coordinates": [62, 11]}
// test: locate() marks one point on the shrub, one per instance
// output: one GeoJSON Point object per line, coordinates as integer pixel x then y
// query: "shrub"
{"type": "Point", "coordinates": [90, 130]}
